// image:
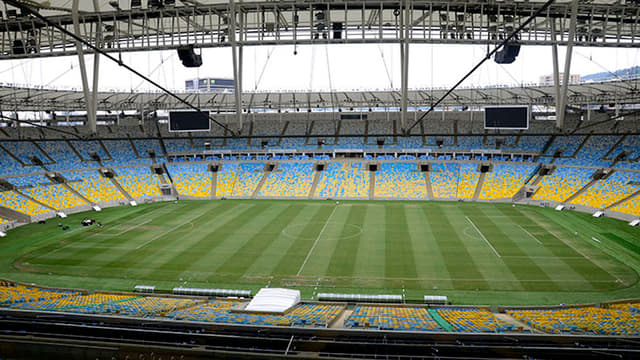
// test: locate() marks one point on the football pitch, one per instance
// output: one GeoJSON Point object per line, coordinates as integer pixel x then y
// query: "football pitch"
{"type": "Point", "coordinates": [477, 253]}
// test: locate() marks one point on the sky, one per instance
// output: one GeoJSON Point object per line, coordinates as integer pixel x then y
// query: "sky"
{"type": "Point", "coordinates": [320, 67]}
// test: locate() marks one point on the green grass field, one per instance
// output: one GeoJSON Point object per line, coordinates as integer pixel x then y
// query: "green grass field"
{"type": "Point", "coordinates": [474, 253]}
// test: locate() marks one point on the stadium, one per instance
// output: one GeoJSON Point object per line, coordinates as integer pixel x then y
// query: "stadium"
{"type": "Point", "coordinates": [394, 186]}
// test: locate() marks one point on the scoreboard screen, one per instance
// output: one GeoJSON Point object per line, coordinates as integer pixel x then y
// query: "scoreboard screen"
{"type": "Point", "coordinates": [506, 117]}
{"type": "Point", "coordinates": [189, 121]}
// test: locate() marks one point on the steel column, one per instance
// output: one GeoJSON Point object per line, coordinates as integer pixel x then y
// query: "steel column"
{"type": "Point", "coordinates": [405, 26]}
{"type": "Point", "coordinates": [237, 62]}
{"type": "Point", "coordinates": [567, 64]}
{"type": "Point", "coordinates": [91, 115]}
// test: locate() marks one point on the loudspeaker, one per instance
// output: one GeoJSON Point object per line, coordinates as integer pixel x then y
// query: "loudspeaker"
{"type": "Point", "coordinates": [544, 171]}
{"type": "Point", "coordinates": [373, 167]}
{"type": "Point", "coordinates": [188, 57]}
{"type": "Point", "coordinates": [439, 142]}
{"type": "Point", "coordinates": [35, 160]}
{"type": "Point", "coordinates": [214, 167]}
{"type": "Point", "coordinates": [508, 54]}
{"type": "Point", "coordinates": [319, 167]}
{"type": "Point", "coordinates": [622, 155]}
{"type": "Point", "coordinates": [320, 142]}
{"type": "Point", "coordinates": [108, 173]}
{"type": "Point", "coordinates": [18, 47]}
{"type": "Point", "coordinates": [499, 142]}
{"type": "Point", "coordinates": [380, 141]}
{"type": "Point", "coordinates": [264, 143]}
{"type": "Point", "coordinates": [151, 153]}
{"type": "Point", "coordinates": [484, 168]}
{"type": "Point", "coordinates": [425, 167]}
{"type": "Point", "coordinates": [94, 156]}
{"type": "Point", "coordinates": [269, 167]}
{"type": "Point", "coordinates": [337, 30]}
{"type": "Point", "coordinates": [158, 170]}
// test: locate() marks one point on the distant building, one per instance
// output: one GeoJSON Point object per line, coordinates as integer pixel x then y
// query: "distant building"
{"type": "Point", "coordinates": [547, 80]}
{"type": "Point", "coordinates": [209, 85]}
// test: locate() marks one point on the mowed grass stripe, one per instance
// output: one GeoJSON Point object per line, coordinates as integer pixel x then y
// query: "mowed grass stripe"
{"type": "Point", "coordinates": [370, 258]}
{"type": "Point", "coordinates": [154, 240]}
{"type": "Point", "coordinates": [459, 262]}
{"type": "Point", "coordinates": [492, 268]}
{"type": "Point", "coordinates": [49, 254]}
{"type": "Point", "coordinates": [399, 261]}
{"type": "Point", "coordinates": [253, 249]}
{"type": "Point", "coordinates": [343, 259]}
{"type": "Point", "coordinates": [319, 256]}
{"type": "Point", "coordinates": [165, 258]}
{"type": "Point", "coordinates": [597, 262]}
{"type": "Point", "coordinates": [524, 268]}
{"type": "Point", "coordinates": [560, 252]}
{"type": "Point", "coordinates": [203, 252]}
{"type": "Point", "coordinates": [305, 237]}
{"type": "Point", "coordinates": [79, 255]}
{"type": "Point", "coordinates": [430, 262]}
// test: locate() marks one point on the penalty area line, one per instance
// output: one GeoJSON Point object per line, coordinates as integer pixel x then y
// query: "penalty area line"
{"type": "Point", "coordinates": [484, 238]}
{"type": "Point", "coordinates": [530, 234]}
{"type": "Point", "coordinates": [316, 242]}
{"type": "Point", "coordinates": [190, 221]}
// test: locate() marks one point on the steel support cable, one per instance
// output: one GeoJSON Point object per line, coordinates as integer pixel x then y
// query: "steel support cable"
{"type": "Point", "coordinates": [487, 57]}
{"type": "Point", "coordinates": [27, 9]}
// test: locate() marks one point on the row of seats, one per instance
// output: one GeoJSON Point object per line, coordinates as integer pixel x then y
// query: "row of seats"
{"type": "Point", "coordinates": [220, 311]}
{"type": "Point", "coordinates": [247, 178]}
{"type": "Point", "coordinates": [474, 320]}
{"type": "Point", "coordinates": [12, 200]}
{"type": "Point", "coordinates": [289, 180]}
{"type": "Point", "coordinates": [392, 318]}
{"type": "Point", "coordinates": [467, 180]}
{"type": "Point", "coordinates": [138, 182]}
{"type": "Point", "coordinates": [344, 180]}
{"type": "Point", "coordinates": [140, 306]}
{"type": "Point", "coordinates": [581, 320]}
{"type": "Point", "coordinates": [339, 180]}
{"type": "Point", "coordinates": [563, 183]}
{"type": "Point", "coordinates": [400, 181]}
{"type": "Point", "coordinates": [93, 186]}
{"type": "Point", "coordinates": [605, 192]}
{"type": "Point", "coordinates": [504, 181]}
{"type": "Point", "coordinates": [56, 196]}
{"type": "Point", "coordinates": [13, 294]}
{"type": "Point", "coordinates": [609, 319]}
{"type": "Point", "coordinates": [75, 154]}
{"type": "Point", "coordinates": [191, 179]}
{"type": "Point", "coordinates": [70, 303]}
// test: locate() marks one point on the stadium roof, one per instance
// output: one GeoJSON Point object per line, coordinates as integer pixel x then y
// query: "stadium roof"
{"type": "Point", "coordinates": [33, 99]}
{"type": "Point", "coordinates": [207, 23]}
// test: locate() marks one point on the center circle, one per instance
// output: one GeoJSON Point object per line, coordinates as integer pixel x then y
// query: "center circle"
{"type": "Point", "coordinates": [296, 231]}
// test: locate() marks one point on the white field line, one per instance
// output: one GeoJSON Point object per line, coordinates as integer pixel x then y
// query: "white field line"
{"type": "Point", "coordinates": [190, 221]}
{"type": "Point", "coordinates": [530, 234]}
{"type": "Point", "coordinates": [594, 239]}
{"type": "Point", "coordinates": [484, 238]}
{"type": "Point", "coordinates": [125, 230]}
{"type": "Point", "coordinates": [316, 242]}
{"type": "Point", "coordinates": [568, 243]}
{"type": "Point", "coordinates": [541, 257]}
{"type": "Point", "coordinates": [67, 244]}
